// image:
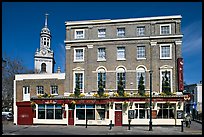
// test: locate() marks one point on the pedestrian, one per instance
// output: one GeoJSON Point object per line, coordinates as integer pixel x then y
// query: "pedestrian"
{"type": "Point", "coordinates": [188, 121]}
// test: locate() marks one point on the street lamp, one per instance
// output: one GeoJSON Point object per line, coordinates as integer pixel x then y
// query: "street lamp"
{"type": "Point", "coordinates": [150, 119]}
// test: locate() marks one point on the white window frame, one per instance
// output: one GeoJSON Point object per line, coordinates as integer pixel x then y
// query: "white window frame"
{"type": "Point", "coordinates": [83, 35]}
{"type": "Point", "coordinates": [144, 52]}
{"type": "Point", "coordinates": [140, 70]}
{"type": "Point", "coordinates": [120, 32]}
{"type": "Point", "coordinates": [163, 70]}
{"type": "Point", "coordinates": [78, 60]}
{"type": "Point", "coordinates": [102, 70]}
{"type": "Point", "coordinates": [51, 90]}
{"type": "Point", "coordinates": [102, 34]}
{"type": "Point", "coordinates": [124, 58]}
{"type": "Point", "coordinates": [101, 59]}
{"type": "Point", "coordinates": [138, 31]}
{"type": "Point", "coordinates": [121, 69]}
{"type": "Point", "coordinates": [26, 89]}
{"type": "Point", "coordinates": [163, 26]}
{"type": "Point", "coordinates": [170, 54]}
{"type": "Point", "coordinates": [74, 78]}
{"type": "Point", "coordinates": [38, 89]}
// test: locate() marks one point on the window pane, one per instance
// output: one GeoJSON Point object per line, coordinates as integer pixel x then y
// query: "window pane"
{"type": "Point", "coordinates": [103, 79]}
{"type": "Point", "coordinates": [165, 113]}
{"type": "Point", "coordinates": [101, 54]}
{"type": "Point", "coordinates": [141, 105]}
{"type": "Point", "coordinates": [79, 54]}
{"type": "Point", "coordinates": [141, 113]}
{"type": "Point", "coordinates": [50, 114]}
{"type": "Point", "coordinates": [165, 51]}
{"type": "Point", "coordinates": [118, 106]}
{"type": "Point", "coordinates": [41, 106]}
{"type": "Point", "coordinates": [140, 31]}
{"type": "Point", "coordinates": [54, 89]}
{"type": "Point", "coordinates": [50, 106]}
{"type": "Point", "coordinates": [139, 75]}
{"type": "Point", "coordinates": [79, 77]}
{"type": "Point", "coordinates": [58, 106]}
{"type": "Point", "coordinates": [90, 114]}
{"type": "Point", "coordinates": [123, 78]}
{"type": "Point", "coordinates": [41, 113]}
{"type": "Point", "coordinates": [165, 30]}
{"type": "Point", "coordinates": [100, 114]}
{"type": "Point", "coordinates": [80, 114]}
{"type": "Point", "coordinates": [90, 106]}
{"type": "Point", "coordinates": [79, 34]}
{"type": "Point", "coordinates": [159, 114]}
{"type": "Point", "coordinates": [80, 106]}
{"type": "Point", "coordinates": [121, 53]}
{"type": "Point", "coordinates": [171, 113]}
{"type": "Point", "coordinates": [101, 33]}
{"type": "Point", "coordinates": [136, 113]}
{"type": "Point", "coordinates": [58, 114]}
{"type": "Point", "coordinates": [121, 31]}
{"type": "Point", "coordinates": [141, 52]}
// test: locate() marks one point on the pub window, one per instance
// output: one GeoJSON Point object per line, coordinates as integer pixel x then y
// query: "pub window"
{"type": "Point", "coordinates": [100, 112]}
{"type": "Point", "coordinates": [166, 111]}
{"type": "Point", "coordinates": [49, 111]}
{"type": "Point", "coordinates": [118, 106]}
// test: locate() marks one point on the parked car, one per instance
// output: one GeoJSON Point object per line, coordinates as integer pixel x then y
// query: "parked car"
{"type": "Point", "coordinates": [7, 116]}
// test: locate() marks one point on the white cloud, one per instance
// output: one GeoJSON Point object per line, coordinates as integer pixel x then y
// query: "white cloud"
{"type": "Point", "coordinates": [192, 39]}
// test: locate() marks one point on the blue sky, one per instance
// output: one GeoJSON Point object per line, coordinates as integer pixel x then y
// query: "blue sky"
{"type": "Point", "coordinates": [23, 21]}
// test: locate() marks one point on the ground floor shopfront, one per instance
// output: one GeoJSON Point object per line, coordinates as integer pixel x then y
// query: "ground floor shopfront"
{"type": "Point", "coordinates": [100, 111]}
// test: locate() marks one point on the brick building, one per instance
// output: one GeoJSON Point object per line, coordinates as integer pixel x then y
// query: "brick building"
{"type": "Point", "coordinates": [108, 50]}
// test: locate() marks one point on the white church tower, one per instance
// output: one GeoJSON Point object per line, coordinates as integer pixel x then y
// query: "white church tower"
{"type": "Point", "coordinates": [44, 57]}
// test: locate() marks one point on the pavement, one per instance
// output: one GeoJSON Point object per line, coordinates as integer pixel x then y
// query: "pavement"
{"type": "Point", "coordinates": [10, 129]}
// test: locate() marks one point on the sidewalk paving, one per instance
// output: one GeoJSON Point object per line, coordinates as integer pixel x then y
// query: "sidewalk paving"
{"type": "Point", "coordinates": [10, 129]}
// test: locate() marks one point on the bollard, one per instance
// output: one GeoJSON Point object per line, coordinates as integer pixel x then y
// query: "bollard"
{"type": "Point", "coordinates": [129, 124]}
{"type": "Point", "coordinates": [110, 124]}
{"type": "Point", "coordinates": [86, 122]}
{"type": "Point", "coordinates": [182, 126]}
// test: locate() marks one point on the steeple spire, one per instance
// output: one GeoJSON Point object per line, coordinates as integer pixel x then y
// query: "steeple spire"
{"type": "Point", "coordinates": [46, 19]}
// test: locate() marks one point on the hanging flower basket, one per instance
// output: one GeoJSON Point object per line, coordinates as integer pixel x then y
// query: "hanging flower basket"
{"type": "Point", "coordinates": [125, 104]}
{"type": "Point", "coordinates": [131, 103]}
{"type": "Point", "coordinates": [33, 105]}
{"type": "Point", "coordinates": [111, 105]}
{"type": "Point", "coordinates": [167, 103]}
{"type": "Point", "coordinates": [72, 105]}
{"type": "Point", "coordinates": [179, 104]}
{"type": "Point", "coordinates": [147, 104]}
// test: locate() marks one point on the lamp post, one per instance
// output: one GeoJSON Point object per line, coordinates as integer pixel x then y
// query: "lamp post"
{"type": "Point", "coordinates": [150, 119]}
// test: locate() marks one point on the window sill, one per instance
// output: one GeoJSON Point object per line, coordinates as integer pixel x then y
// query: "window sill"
{"type": "Point", "coordinates": [101, 60]}
{"type": "Point", "coordinates": [121, 59]}
{"type": "Point", "coordinates": [78, 61]}
{"type": "Point", "coordinates": [165, 58]}
{"type": "Point", "coordinates": [78, 38]}
{"type": "Point", "coordinates": [165, 34]}
{"type": "Point", "coordinates": [141, 58]}
{"type": "Point", "coordinates": [55, 94]}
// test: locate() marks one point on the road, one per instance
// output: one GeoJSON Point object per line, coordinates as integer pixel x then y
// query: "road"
{"type": "Point", "coordinates": [10, 129]}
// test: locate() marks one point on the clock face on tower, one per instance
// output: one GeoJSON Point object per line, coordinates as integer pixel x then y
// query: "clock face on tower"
{"type": "Point", "coordinates": [44, 52]}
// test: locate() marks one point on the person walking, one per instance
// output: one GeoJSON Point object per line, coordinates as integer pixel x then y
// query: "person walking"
{"type": "Point", "coordinates": [188, 120]}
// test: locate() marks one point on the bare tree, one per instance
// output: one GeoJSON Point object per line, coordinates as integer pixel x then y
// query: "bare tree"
{"type": "Point", "coordinates": [13, 66]}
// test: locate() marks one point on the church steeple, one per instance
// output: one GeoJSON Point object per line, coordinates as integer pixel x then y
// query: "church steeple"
{"type": "Point", "coordinates": [46, 15]}
{"type": "Point", "coordinates": [45, 35]}
{"type": "Point", "coordinates": [45, 53]}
